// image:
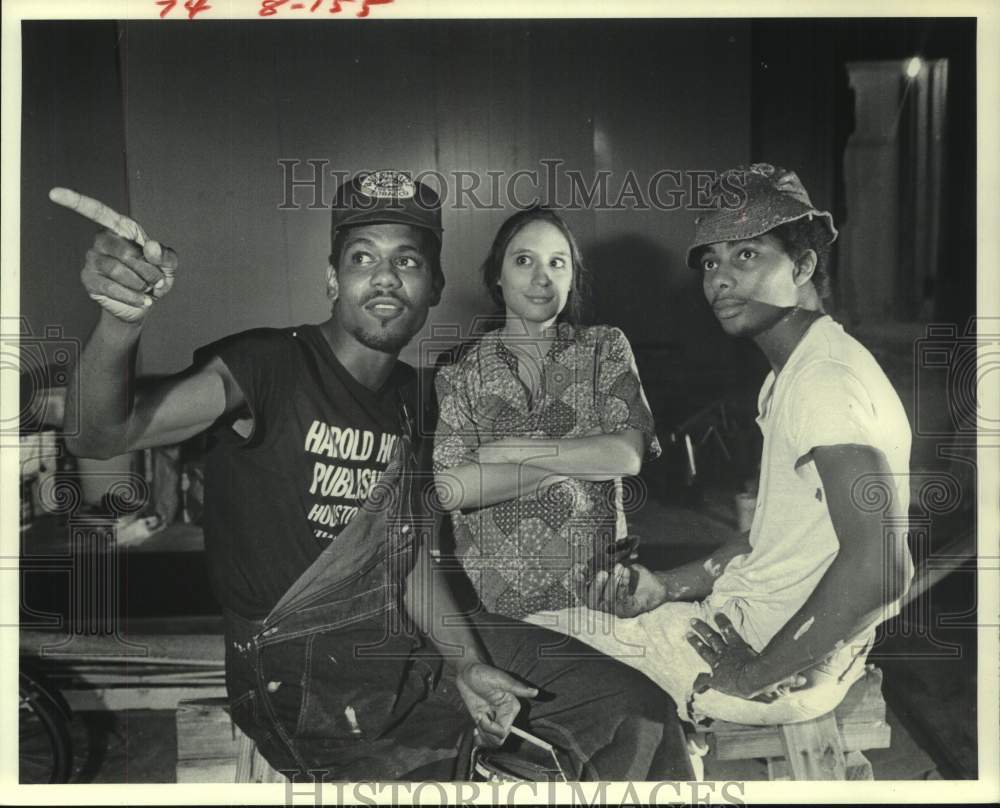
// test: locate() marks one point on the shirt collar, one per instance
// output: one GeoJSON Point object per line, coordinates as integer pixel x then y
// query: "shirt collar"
{"type": "Point", "coordinates": [564, 337]}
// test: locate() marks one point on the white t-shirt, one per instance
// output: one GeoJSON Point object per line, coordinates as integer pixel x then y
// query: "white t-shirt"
{"type": "Point", "coordinates": [831, 391]}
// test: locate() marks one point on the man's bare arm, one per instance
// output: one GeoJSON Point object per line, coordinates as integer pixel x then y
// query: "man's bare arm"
{"type": "Point", "coordinates": [126, 273]}
{"type": "Point", "coordinates": [629, 589]}
{"type": "Point", "coordinates": [491, 695]}
{"type": "Point", "coordinates": [869, 572]}
{"type": "Point", "coordinates": [694, 580]}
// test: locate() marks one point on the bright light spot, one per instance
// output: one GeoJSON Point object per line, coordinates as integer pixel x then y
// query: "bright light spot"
{"type": "Point", "coordinates": [913, 67]}
{"type": "Point", "coordinates": [602, 144]}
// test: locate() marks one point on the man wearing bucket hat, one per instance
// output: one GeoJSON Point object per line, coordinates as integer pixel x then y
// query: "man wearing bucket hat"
{"type": "Point", "coordinates": [795, 603]}
{"type": "Point", "coordinates": [339, 658]}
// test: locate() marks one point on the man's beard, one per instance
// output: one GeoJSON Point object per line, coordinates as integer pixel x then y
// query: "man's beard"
{"type": "Point", "coordinates": [381, 340]}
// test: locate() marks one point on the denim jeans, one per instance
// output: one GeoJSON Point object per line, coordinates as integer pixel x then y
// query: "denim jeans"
{"type": "Point", "coordinates": [335, 679]}
{"type": "Point", "coordinates": [325, 704]}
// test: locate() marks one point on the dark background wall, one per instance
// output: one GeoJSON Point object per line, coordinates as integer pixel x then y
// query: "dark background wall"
{"type": "Point", "coordinates": [72, 134]}
{"type": "Point", "coordinates": [803, 113]}
{"type": "Point", "coordinates": [197, 118]}
{"type": "Point", "coordinates": [183, 127]}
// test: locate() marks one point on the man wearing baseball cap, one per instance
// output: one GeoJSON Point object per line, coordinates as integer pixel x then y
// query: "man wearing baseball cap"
{"type": "Point", "coordinates": [795, 603]}
{"type": "Point", "coordinates": [338, 655]}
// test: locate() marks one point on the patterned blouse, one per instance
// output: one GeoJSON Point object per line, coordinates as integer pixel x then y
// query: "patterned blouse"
{"type": "Point", "coordinates": [526, 554]}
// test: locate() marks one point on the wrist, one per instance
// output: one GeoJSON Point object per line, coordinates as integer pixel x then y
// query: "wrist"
{"type": "Point", "coordinates": [671, 586]}
{"type": "Point", "coordinates": [753, 677]}
{"type": "Point", "coordinates": [467, 658]}
{"type": "Point", "coordinates": [118, 329]}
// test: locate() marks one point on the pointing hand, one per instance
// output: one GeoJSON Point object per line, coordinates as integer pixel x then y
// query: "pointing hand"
{"type": "Point", "coordinates": [125, 271]}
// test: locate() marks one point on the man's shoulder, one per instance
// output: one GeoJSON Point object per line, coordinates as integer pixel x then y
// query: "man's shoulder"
{"type": "Point", "coordinates": [252, 339]}
{"type": "Point", "coordinates": [834, 356]}
{"type": "Point", "coordinates": [838, 390]}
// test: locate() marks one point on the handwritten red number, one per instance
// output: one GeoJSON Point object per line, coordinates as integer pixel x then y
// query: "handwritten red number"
{"type": "Point", "coordinates": [168, 6]}
{"type": "Point", "coordinates": [268, 8]}
{"type": "Point", "coordinates": [195, 7]}
{"type": "Point", "coordinates": [366, 3]}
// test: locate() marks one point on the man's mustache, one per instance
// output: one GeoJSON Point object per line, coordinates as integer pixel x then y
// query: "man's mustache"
{"type": "Point", "coordinates": [385, 296]}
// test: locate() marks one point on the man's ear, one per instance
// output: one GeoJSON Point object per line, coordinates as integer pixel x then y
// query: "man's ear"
{"type": "Point", "coordinates": [436, 294]}
{"type": "Point", "coordinates": [805, 266]}
{"type": "Point", "coordinates": [332, 286]}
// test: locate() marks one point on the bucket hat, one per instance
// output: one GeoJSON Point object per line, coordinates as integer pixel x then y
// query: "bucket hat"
{"type": "Point", "coordinates": [772, 196]}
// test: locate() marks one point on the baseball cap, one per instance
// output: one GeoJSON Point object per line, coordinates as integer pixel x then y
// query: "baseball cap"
{"type": "Point", "coordinates": [773, 196]}
{"type": "Point", "coordinates": [386, 197]}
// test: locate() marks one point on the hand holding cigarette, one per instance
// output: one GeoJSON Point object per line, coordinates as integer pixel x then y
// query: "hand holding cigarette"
{"type": "Point", "coordinates": [493, 699]}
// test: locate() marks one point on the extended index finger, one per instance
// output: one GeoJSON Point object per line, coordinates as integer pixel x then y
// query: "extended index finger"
{"type": "Point", "coordinates": [99, 213]}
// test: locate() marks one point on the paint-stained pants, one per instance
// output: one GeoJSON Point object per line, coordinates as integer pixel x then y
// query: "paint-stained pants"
{"type": "Point", "coordinates": [605, 720]}
{"type": "Point", "coordinates": [655, 643]}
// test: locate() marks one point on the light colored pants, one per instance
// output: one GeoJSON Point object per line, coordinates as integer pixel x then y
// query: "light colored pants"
{"type": "Point", "coordinates": [654, 643]}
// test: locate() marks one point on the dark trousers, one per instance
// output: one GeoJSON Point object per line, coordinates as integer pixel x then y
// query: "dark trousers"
{"type": "Point", "coordinates": [393, 712]}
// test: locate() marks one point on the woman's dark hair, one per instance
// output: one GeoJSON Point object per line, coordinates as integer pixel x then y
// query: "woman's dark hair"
{"type": "Point", "coordinates": [807, 234]}
{"type": "Point", "coordinates": [493, 265]}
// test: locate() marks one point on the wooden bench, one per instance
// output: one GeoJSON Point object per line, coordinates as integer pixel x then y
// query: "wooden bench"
{"type": "Point", "coordinates": [830, 747]}
{"type": "Point", "coordinates": [212, 749]}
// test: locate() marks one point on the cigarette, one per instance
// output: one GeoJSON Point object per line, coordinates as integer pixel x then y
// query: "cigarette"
{"type": "Point", "coordinates": [531, 738]}
{"type": "Point", "coordinates": [690, 454]}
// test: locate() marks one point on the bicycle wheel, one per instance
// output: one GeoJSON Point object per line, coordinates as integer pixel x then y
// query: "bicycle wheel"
{"type": "Point", "coordinates": [45, 751]}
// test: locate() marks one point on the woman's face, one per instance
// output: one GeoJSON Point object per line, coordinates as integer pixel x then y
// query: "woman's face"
{"type": "Point", "coordinates": [537, 273]}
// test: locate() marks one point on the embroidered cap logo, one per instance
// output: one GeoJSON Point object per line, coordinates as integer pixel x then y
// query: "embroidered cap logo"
{"type": "Point", "coordinates": [388, 185]}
